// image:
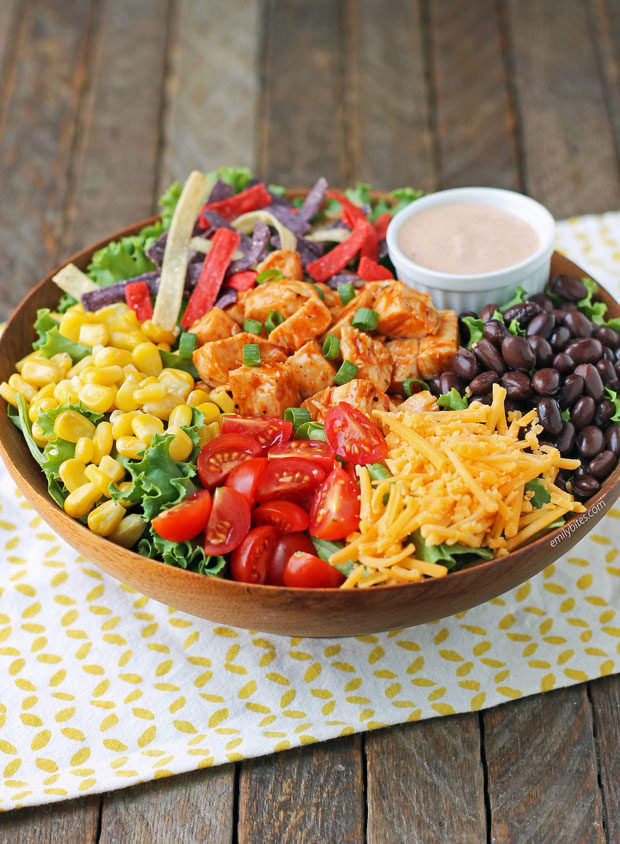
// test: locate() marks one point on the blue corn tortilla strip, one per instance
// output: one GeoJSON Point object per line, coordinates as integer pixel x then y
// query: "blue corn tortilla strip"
{"type": "Point", "coordinates": [314, 200]}
{"type": "Point", "coordinates": [228, 297]}
{"type": "Point", "coordinates": [255, 253]}
{"type": "Point", "coordinates": [343, 278]}
{"type": "Point", "coordinates": [113, 293]}
{"type": "Point", "coordinates": [216, 221]}
{"type": "Point", "coordinates": [290, 219]}
{"type": "Point", "coordinates": [220, 190]}
{"type": "Point", "coordinates": [309, 250]}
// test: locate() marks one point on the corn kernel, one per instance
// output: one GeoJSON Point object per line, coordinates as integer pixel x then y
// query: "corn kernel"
{"type": "Point", "coordinates": [72, 474]}
{"type": "Point", "coordinates": [181, 416]}
{"type": "Point", "coordinates": [121, 425]}
{"type": "Point", "coordinates": [84, 450]}
{"type": "Point", "coordinates": [146, 426]}
{"type": "Point", "coordinates": [105, 375]}
{"type": "Point", "coordinates": [164, 347]}
{"type": "Point", "coordinates": [124, 396]}
{"type": "Point", "coordinates": [32, 356]}
{"type": "Point", "coordinates": [70, 325]}
{"type": "Point", "coordinates": [45, 392]}
{"type": "Point", "coordinates": [97, 397]}
{"type": "Point", "coordinates": [181, 446]}
{"type": "Point", "coordinates": [150, 392]}
{"type": "Point", "coordinates": [209, 432]}
{"type": "Point", "coordinates": [197, 397]}
{"type": "Point", "coordinates": [162, 408]}
{"type": "Point", "coordinates": [157, 334]}
{"type": "Point", "coordinates": [113, 315]}
{"type": "Point", "coordinates": [46, 403]}
{"type": "Point", "coordinates": [129, 531]}
{"type": "Point", "coordinates": [79, 502]}
{"type": "Point", "coordinates": [222, 399]}
{"type": "Point", "coordinates": [132, 372]}
{"type": "Point", "coordinates": [80, 366]}
{"type": "Point", "coordinates": [40, 372]}
{"type": "Point", "coordinates": [111, 357]}
{"type": "Point", "coordinates": [63, 361]}
{"type": "Point", "coordinates": [177, 381]}
{"type": "Point", "coordinates": [96, 333]}
{"type": "Point", "coordinates": [211, 411]}
{"type": "Point", "coordinates": [112, 468]}
{"type": "Point", "coordinates": [105, 518]}
{"type": "Point", "coordinates": [130, 447]}
{"type": "Point", "coordinates": [20, 386]}
{"type": "Point", "coordinates": [38, 436]}
{"type": "Point", "coordinates": [146, 358]}
{"type": "Point", "coordinates": [98, 478]}
{"type": "Point", "coordinates": [127, 340]}
{"type": "Point", "coordinates": [70, 425]}
{"type": "Point", "coordinates": [102, 441]}
{"type": "Point", "coordinates": [8, 393]}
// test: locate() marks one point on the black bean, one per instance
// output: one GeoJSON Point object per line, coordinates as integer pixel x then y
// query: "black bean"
{"type": "Point", "coordinates": [607, 336]}
{"type": "Point", "coordinates": [517, 352]}
{"type": "Point", "coordinates": [542, 299]}
{"type": "Point", "coordinates": [489, 356]}
{"type": "Point", "coordinates": [586, 350]}
{"type": "Point", "coordinates": [434, 385]}
{"type": "Point", "coordinates": [549, 414]}
{"type": "Point", "coordinates": [465, 364]}
{"type": "Point", "coordinates": [590, 441]}
{"type": "Point", "coordinates": [617, 367]}
{"type": "Point", "coordinates": [608, 374]}
{"type": "Point", "coordinates": [487, 312]}
{"type": "Point", "coordinates": [484, 400]}
{"type": "Point", "coordinates": [510, 405]}
{"type": "Point", "coordinates": [591, 375]}
{"type": "Point", "coordinates": [542, 350]}
{"type": "Point", "coordinates": [559, 314]}
{"type": "Point", "coordinates": [518, 385]}
{"type": "Point", "coordinates": [566, 441]}
{"type": "Point", "coordinates": [578, 324]}
{"type": "Point", "coordinates": [572, 389]}
{"type": "Point", "coordinates": [583, 412]}
{"type": "Point", "coordinates": [495, 331]}
{"type": "Point", "coordinates": [560, 338]}
{"type": "Point", "coordinates": [585, 486]}
{"type": "Point", "coordinates": [569, 306]}
{"type": "Point", "coordinates": [563, 363]}
{"type": "Point", "coordinates": [546, 382]}
{"type": "Point", "coordinates": [560, 482]}
{"type": "Point", "coordinates": [605, 409]}
{"type": "Point", "coordinates": [542, 325]}
{"type": "Point", "coordinates": [569, 287]}
{"type": "Point", "coordinates": [618, 354]}
{"type": "Point", "coordinates": [448, 380]}
{"type": "Point", "coordinates": [601, 465]}
{"type": "Point", "coordinates": [612, 438]}
{"type": "Point", "coordinates": [483, 383]}
{"type": "Point", "coordinates": [523, 313]}
{"type": "Point", "coordinates": [609, 354]}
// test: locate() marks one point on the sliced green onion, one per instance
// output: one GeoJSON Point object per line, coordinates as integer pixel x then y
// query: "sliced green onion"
{"type": "Point", "coordinates": [318, 290]}
{"type": "Point", "coordinates": [252, 326]}
{"type": "Point", "coordinates": [347, 372]}
{"type": "Point", "coordinates": [274, 318]}
{"type": "Point", "coordinates": [297, 415]}
{"type": "Point", "coordinates": [268, 275]}
{"type": "Point", "coordinates": [187, 344]}
{"type": "Point", "coordinates": [346, 292]}
{"type": "Point", "coordinates": [251, 354]}
{"type": "Point", "coordinates": [331, 347]}
{"type": "Point", "coordinates": [378, 472]}
{"type": "Point", "coordinates": [409, 381]}
{"type": "Point", "coordinates": [311, 431]}
{"type": "Point", "coordinates": [365, 319]}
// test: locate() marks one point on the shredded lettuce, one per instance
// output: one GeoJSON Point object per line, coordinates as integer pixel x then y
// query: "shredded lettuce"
{"type": "Point", "coordinates": [361, 195]}
{"type": "Point", "coordinates": [595, 311]}
{"type": "Point", "coordinates": [541, 493]}
{"type": "Point", "coordinates": [615, 399]}
{"type": "Point", "coordinates": [185, 555]}
{"type": "Point", "coordinates": [475, 326]}
{"type": "Point", "coordinates": [168, 202]}
{"type": "Point", "coordinates": [519, 296]}
{"type": "Point", "coordinates": [453, 557]}
{"type": "Point", "coordinates": [43, 323]}
{"type": "Point", "coordinates": [50, 342]}
{"type": "Point", "coordinates": [122, 259]}
{"type": "Point", "coordinates": [453, 400]}
{"type": "Point", "coordinates": [236, 177]}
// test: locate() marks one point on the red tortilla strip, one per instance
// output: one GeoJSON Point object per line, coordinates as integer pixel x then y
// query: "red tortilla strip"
{"type": "Point", "coordinates": [371, 271]}
{"type": "Point", "coordinates": [250, 199]}
{"type": "Point", "coordinates": [225, 241]}
{"type": "Point", "coordinates": [241, 281]}
{"type": "Point", "coordinates": [337, 258]}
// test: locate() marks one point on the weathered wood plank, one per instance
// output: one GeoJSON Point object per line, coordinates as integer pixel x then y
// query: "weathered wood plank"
{"type": "Point", "coordinates": [542, 776]}
{"type": "Point", "coordinates": [426, 783]}
{"type": "Point", "coordinates": [605, 698]}
{"type": "Point", "coordinates": [73, 822]}
{"type": "Point", "coordinates": [304, 796]}
{"type": "Point", "coordinates": [569, 156]}
{"type": "Point", "coordinates": [184, 809]}
{"type": "Point", "coordinates": [9, 27]}
{"type": "Point", "coordinates": [606, 24]}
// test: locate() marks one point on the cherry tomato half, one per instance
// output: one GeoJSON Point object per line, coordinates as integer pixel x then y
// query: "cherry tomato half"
{"type": "Point", "coordinates": [246, 476]}
{"type": "Point", "coordinates": [186, 519]}
{"type": "Point", "coordinates": [286, 516]}
{"type": "Point", "coordinates": [335, 511]}
{"type": "Point", "coordinates": [266, 432]}
{"type": "Point", "coordinates": [291, 478]}
{"type": "Point", "coordinates": [311, 572]}
{"type": "Point", "coordinates": [220, 456]}
{"type": "Point", "coordinates": [353, 436]}
{"type": "Point", "coordinates": [315, 450]}
{"type": "Point", "coordinates": [284, 548]}
{"type": "Point", "coordinates": [249, 561]}
{"type": "Point", "coordinates": [228, 523]}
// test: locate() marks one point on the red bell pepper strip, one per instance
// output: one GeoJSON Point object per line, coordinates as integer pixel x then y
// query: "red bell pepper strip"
{"type": "Point", "coordinates": [138, 297]}
{"type": "Point", "coordinates": [371, 271]}
{"type": "Point", "coordinates": [380, 225]}
{"type": "Point", "coordinates": [241, 281]}
{"type": "Point", "coordinates": [351, 212]}
{"type": "Point", "coordinates": [338, 257]}
{"type": "Point", "coordinates": [250, 199]}
{"type": "Point", "coordinates": [225, 241]}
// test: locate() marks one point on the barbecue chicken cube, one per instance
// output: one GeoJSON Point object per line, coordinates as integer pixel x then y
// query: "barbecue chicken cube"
{"type": "Point", "coordinates": [237, 310]}
{"type": "Point", "coordinates": [216, 324]}
{"type": "Point", "coordinates": [361, 394]}
{"type": "Point", "coordinates": [422, 402]}
{"type": "Point", "coordinates": [372, 358]}
{"type": "Point", "coordinates": [215, 360]}
{"type": "Point", "coordinates": [331, 299]}
{"type": "Point", "coordinates": [285, 261]}
{"type": "Point", "coordinates": [311, 320]}
{"type": "Point", "coordinates": [311, 370]}
{"type": "Point", "coordinates": [405, 358]}
{"type": "Point", "coordinates": [364, 298]}
{"type": "Point", "coordinates": [404, 312]}
{"type": "Point", "coordinates": [265, 390]}
{"type": "Point", "coordinates": [285, 297]}
{"type": "Point", "coordinates": [438, 349]}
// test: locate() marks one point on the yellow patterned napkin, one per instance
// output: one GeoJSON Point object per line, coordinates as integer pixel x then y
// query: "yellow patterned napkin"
{"type": "Point", "coordinates": [102, 687]}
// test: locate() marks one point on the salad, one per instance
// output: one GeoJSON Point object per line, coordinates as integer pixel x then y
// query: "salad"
{"type": "Point", "coordinates": [244, 389]}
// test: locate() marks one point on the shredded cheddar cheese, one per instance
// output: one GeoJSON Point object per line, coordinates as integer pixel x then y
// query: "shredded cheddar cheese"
{"type": "Point", "coordinates": [457, 477]}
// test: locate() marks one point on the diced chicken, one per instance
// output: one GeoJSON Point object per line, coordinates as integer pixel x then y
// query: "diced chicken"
{"type": "Point", "coordinates": [361, 394]}
{"type": "Point", "coordinates": [372, 358]}
{"type": "Point", "coordinates": [265, 390]}
{"type": "Point", "coordinates": [421, 402]}
{"type": "Point", "coordinates": [364, 299]}
{"type": "Point", "coordinates": [285, 297]}
{"type": "Point", "coordinates": [312, 371]}
{"type": "Point", "coordinates": [287, 262]}
{"type": "Point", "coordinates": [216, 324]}
{"type": "Point", "coordinates": [331, 299]}
{"type": "Point", "coordinates": [404, 312]}
{"type": "Point", "coordinates": [215, 360]}
{"type": "Point", "coordinates": [405, 357]}
{"type": "Point", "coordinates": [308, 322]}
{"type": "Point", "coordinates": [437, 350]}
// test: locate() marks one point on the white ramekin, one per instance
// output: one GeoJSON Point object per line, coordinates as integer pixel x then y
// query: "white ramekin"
{"type": "Point", "coordinates": [472, 292]}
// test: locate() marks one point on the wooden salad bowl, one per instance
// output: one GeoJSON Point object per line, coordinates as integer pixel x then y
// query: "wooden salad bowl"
{"type": "Point", "coordinates": [276, 609]}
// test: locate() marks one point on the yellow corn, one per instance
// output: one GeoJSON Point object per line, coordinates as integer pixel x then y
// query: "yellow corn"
{"type": "Point", "coordinates": [121, 424]}
{"type": "Point", "coordinates": [208, 432]}
{"type": "Point", "coordinates": [177, 381]}
{"type": "Point", "coordinates": [102, 441]}
{"type": "Point", "coordinates": [104, 375]}
{"type": "Point", "coordinates": [222, 399]}
{"type": "Point", "coordinates": [45, 392]}
{"type": "Point", "coordinates": [84, 450]}
{"type": "Point", "coordinates": [113, 315]}
{"type": "Point", "coordinates": [181, 416]}
{"type": "Point", "coordinates": [125, 395]}
{"type": "Point", "coordinates": [72, 474]}
{"type": "Point", "coordinates": [40, 372]}
{"type": "Point", "coordinates": [124, 487]}
{"type": "Point", "coordinates": [98, 478]}
{"type": "Point", "coordinates": [162, 408]}
{"type": "Point", "coordinates": [80, 366]}
{"type": "Point", "coordinates": [146, 357]}
{"type": "Point", "coordinates": [112, 468]}
{"type": "Point", "coordinates": [164, 347]}
{"type": "Point", "coordinates": [8, 393]}
{"type": "Point", "coordinates": [95, 334]}
{"type": "Point", "coordinates": [65, 392]}
{"type": "Point", "coordinates": [79, 502]}
{"type": "Point", "coordinates": [46, 403]}
{"type": "Point", "coordinates": [129, 531]}
{"type": "Point", "coordinates": [211, 411]}
{"type": "Point", "coordinates": [71, 323]}
{"type": "Point", "coordinates": [145, 426]}
{"type": "Point", "coordinates": [112, 357]}
{"type": "Point", "coordinates": [20, 386]}
{"type": "Point", "coordinates": [197, 397]}
{"type": "Point", "coordinates": [130, 447]}
{"type": "Point", "coordinates": [132, 372]}
{"type": "Point", "coordinates": [63, 362]}
{"type": "Point", "coordinates": [157, 334]}
{"type": "Point", "coordinates": [70, 425]}
{"type": "Point", "coordinates": [38, 436]}
{"type": "Point", "coordinates": [127, 340]}
{"type": "Point", "coordinates": [150, 392]}
{"type": "Point", "coordinates": [97, 397]}
{"type": "Point", "coordinates": [105, 518]}
{"type": "Point", "coordinates": [32, 356]}
{"type": "Point", "coordinates": [181, 446]}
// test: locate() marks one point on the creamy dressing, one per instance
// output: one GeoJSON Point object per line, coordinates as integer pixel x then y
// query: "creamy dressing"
{"type": "Point", "coordinates": [467, 238]}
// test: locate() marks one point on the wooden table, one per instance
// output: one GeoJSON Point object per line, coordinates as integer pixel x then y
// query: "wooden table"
{"type": "Point", "coordinates": [103, 102]}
